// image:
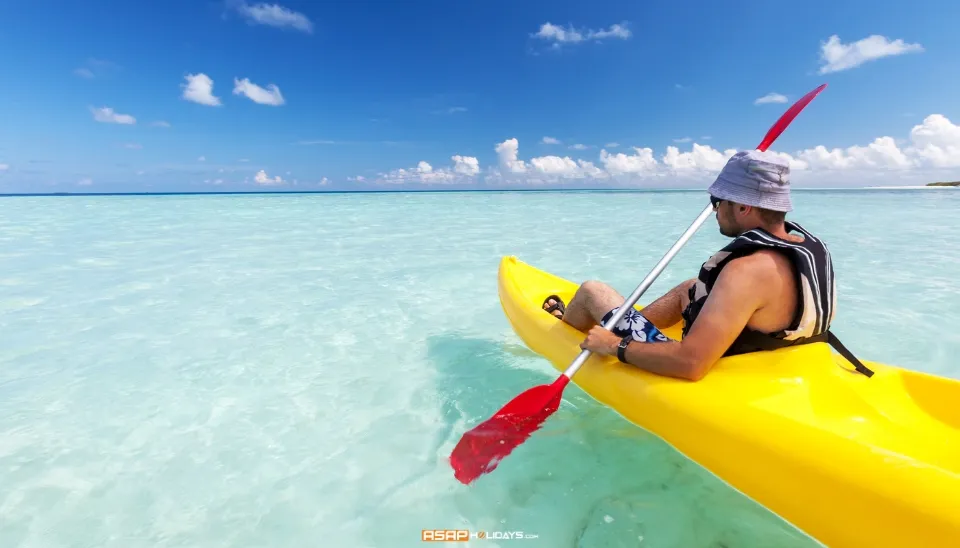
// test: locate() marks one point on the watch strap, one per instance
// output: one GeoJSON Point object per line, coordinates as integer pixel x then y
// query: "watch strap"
{"type": "Point", "coordinates": [622, 348]}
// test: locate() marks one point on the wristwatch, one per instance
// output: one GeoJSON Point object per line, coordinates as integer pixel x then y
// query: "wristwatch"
{"type": "Point", "coordinates": [622, 348]}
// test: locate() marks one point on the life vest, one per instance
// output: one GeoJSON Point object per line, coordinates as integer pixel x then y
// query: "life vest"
{"type": "Point", "coordinates": [816, 293]}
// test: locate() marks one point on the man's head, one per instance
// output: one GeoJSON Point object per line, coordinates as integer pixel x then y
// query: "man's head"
{"type": "Point", "coordinates": [752, 190]}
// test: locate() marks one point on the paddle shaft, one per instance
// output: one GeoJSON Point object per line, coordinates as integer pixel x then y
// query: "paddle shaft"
{"type": "Point", "coordinates": [644, 285]}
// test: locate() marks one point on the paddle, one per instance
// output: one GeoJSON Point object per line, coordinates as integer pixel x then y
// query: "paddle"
{"type": "Point", "coordinates": [481, 449]}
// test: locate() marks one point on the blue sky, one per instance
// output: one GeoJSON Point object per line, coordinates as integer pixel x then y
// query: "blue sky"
{"type": "Point", "coordinates": [465, 94]}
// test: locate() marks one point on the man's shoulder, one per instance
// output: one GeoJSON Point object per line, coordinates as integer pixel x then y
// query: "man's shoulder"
{"type": "Point", "coordinates": [759, 267]}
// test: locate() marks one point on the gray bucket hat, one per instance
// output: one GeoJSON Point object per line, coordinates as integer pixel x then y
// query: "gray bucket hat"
{"type": "Point", "coordinates": [759, 179]}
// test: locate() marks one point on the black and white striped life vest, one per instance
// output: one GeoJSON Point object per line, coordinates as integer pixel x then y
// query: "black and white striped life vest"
{"type": "Point", "coordinates": [816, 298]}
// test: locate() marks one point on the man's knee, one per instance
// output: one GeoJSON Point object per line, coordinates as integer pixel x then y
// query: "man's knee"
{"type": "Point", "coordinates": [594, 287]}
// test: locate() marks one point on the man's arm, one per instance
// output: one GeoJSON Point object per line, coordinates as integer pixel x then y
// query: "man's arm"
{"type": "Point", "coordinates": [736, 294]}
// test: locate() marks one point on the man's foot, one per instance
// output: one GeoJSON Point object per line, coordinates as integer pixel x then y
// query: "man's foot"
{"type": "Point", "coordinates": [554, 306]}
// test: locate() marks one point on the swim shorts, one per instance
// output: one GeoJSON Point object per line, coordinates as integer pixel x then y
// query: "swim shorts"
{"type": "Point", "coordinates": [634, 323]}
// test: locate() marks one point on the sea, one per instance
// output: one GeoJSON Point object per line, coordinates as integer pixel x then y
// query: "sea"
{"type": "Point", "coordinates": [272, 370]}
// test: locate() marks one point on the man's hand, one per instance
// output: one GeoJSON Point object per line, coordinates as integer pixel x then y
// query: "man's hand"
{"type": "Point", "coordinates": [601, 341]}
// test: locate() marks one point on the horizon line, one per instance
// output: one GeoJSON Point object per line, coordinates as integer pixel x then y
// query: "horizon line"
{"type": "Point", "coordinates": [435, 190]}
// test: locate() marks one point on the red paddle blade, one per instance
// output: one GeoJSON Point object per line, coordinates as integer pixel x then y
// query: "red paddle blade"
{"type": "Point", "coordinates": [788, 117]}
{"type": "Point", "coordinates": [481, 449]}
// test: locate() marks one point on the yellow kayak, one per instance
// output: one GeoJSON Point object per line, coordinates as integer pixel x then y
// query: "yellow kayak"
{"type": "Point", "coordinates": [849, 460]}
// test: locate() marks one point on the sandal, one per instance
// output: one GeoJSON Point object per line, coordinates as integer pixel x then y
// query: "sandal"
{"type": "Point", "coordinates": [557, 305]}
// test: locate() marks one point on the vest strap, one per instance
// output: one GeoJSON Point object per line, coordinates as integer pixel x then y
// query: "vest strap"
{"type": "Point", "coordinates": [857, 364]}
{"type": "Point", "coordinates": [754, 341]}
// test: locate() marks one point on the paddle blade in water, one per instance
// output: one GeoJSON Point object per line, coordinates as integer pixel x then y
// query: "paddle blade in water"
{"type": "Point", "coordinates": [481, 449]}
{"type": "Point", "coordinates": [788, 117]}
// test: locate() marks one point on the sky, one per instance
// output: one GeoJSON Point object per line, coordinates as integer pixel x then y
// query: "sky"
{"type": "Point", "coordinates": [233, 95]}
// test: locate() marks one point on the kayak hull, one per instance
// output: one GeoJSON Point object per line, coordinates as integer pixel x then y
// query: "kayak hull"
{"type": "Point", "coordinates": [849, 460]}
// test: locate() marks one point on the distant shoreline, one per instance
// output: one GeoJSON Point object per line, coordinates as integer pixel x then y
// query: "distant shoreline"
{"type": "Point", "coordinates": [954, 183]}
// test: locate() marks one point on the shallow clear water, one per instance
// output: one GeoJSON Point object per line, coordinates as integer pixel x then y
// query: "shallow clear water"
{"type": "Point", "coordinates": [294, 370]}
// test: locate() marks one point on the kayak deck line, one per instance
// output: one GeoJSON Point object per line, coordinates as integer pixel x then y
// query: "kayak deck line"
{"type": "Point", "coordinates": [849, 460]}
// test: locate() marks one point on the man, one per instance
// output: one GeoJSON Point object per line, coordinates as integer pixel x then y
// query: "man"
{"type": "Point", "coordinates": [772, 286]}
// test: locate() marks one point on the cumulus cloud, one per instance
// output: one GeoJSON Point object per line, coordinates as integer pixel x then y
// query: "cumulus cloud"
{"type": "Point", "coordinates": [771, 98]}
{"type": "Point", "coordinates": [936, 141]}
{"type": "Point", "coordinates": [836, 56]}
{"type": "Point", "coordinates": [274, 15]}
{"type": "Point", "coordinates": [560, 35]}
{"type": "Point", "coordinates": [464, 168]}
{"type": "Point", "coordinates": [466, 165]}
{"type": "Point", "coordinates": [262, 178]}
{"type": "Point", "coordinates": [199, 89]}
{"type": "Point", "coordinates": [107, 115]}
{"type": "Point", "coordinates": [550, 141]}
{"type": "Point", "coordinates": [699, 158]}
{"type": "Point", "coordinates": [626, 164]}
{"type": "Point", "coordinates": [270, 96]}
{"type": "Point", "coordinates": [507, 155]}
{"type": "Point", "coordinates": [931, 145]}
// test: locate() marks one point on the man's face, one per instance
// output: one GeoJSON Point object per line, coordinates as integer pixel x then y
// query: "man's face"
{"type": "Point", "coordinates": [726, 219]}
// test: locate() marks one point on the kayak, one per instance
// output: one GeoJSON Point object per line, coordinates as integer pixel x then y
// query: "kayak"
{"type": "Point", "coordinates": [850, 460]}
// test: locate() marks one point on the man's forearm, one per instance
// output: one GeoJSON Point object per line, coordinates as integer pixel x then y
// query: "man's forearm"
{"type": "Point", "coordinates": [663, 358]}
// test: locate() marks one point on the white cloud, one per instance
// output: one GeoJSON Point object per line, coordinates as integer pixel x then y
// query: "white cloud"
{"type": "Point", "coordinates": [700, 158]}
{"type": "Point", "coordinates": [579, 146]}
{"type": "Point", "coordinates": [263, 179]}
{"type": "Point", "coordinates": [550, 141]}
{"type": "Point", "coordinates": [108, 116]}
{"type": "Point", "coordinates": [554, 165]}
{"type": "Point", "coordinates": [202, 159]}
{"type": "Point", "coordinates": [4, 167]}
{"type": "Point", "coordinates": [464, 169]}
{"type": "Point", "coordinates": [270, 96]}
{"type": "Point", "coordinates": [84, 72]}
{"type": "Point", "coordinates": [199, 89]}
{"type": "Point", "coordinates": [837, 56]}
{"type": "Point", "coordinates": [274, 15]}
{"type": "Point", "coordinates": [629, 164]}
{"type": "Point", "coordinates": [936, 141]}
{"type": "Point", "coordinates": [683, 140]}
{"type": "Point", "coordinates": [161, 123]}
{"type": "Point", "coordinates": [559, 35]}
{"type": "Point", "coordinates": [612, 145]}
{"type": "Point", "coordinates": [932, 145]}
{"type": "Point", "coordinates": [771, 98]}
{"type": "Point", "coordinates": [507, 154]}
{"type": "Point", "coordinates": [466, 165]}
{"type": "Point", "coordinates": [86, 181]}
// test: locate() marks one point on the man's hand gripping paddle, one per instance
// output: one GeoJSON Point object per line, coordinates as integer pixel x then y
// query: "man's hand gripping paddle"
{"type": "Point", "coordinates": [481, 449]}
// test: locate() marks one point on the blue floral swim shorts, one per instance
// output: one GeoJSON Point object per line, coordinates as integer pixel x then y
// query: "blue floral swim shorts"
{"type": "Point", "coordinates": [634, 323]}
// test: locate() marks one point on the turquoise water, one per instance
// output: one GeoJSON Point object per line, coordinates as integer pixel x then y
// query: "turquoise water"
{"type": "Point", "coordinates": [294, 370]}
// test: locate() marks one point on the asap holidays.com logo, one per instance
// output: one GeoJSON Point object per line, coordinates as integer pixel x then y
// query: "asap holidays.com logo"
{"type": "Point", "coordinates": [463, 535]}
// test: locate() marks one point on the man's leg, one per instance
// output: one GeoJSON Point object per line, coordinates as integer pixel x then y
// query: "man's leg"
{"type": "Point", "coordinates": [594, 299]}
